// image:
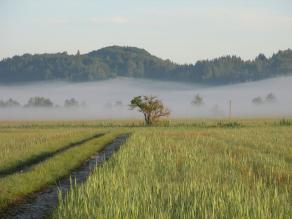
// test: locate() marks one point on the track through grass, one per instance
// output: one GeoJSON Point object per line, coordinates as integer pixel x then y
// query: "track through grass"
{"type": "Point", "coordinates": [15, 187]}
{"type": "Point", "coordinates": [25, 146]}
{"type": "Point", "coordinates": [26, 165]}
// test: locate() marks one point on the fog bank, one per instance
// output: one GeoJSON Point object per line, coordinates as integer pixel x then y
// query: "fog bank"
{"type": "Point", "coordinates": [109, 99]}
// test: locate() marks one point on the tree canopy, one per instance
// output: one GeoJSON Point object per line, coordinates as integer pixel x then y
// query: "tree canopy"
{"type": "Point", "coordinates": [270, 98]}
{"type": "Point", "coordinates": [197, 101]}
{"type": "Point", "coordinates": [151, 107]}
{"type": "Point", "coordinates": [71, 103]}
{"type": "Point", "coordinates": [39, 102]}
{"type": "Point", "coordinates": [10, 103]}
{"type": "Point", "coordinates": [116, 61]}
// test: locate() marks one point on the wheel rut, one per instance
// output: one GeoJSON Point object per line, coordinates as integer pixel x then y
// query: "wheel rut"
{"type": "Point", "coordinates": [41, 204]}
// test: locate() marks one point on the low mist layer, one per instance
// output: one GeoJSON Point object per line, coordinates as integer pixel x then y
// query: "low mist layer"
{"type": "Point", "coordinates": [109, 99]}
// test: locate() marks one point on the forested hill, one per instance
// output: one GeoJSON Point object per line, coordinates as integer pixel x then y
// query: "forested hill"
{"type": "Point", "coordinates": [116, 61]}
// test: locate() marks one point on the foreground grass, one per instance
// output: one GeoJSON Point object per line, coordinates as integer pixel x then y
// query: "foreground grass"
{"type": "Point", "coordinates": [21, 146]}
{"type": "Point", "coordinates": [190, 173]}
{"type": "Point", "coordinates": [15, 187]}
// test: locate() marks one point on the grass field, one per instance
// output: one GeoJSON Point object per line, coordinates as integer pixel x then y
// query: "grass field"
{"type": "Point", "coordinates": [22, 145]}
{"type": "Point", "coordinates": [178, 169]}
{"type": "Point", "coordinates": [213, 171]}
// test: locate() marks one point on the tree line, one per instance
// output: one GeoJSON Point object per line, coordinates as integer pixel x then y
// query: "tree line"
{"type": "Point", "coordinates": [40, 102]}
{"type": "Point", "coordinates": [198, 100]}
{"type": "Point", "coordinates": [116, 61]}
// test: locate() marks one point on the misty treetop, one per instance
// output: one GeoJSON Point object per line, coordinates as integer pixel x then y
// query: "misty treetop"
{"type": "Point", "coordinates": [10, 103]}
{"type": "Point", "coordinates": [72, 102]}
{"type": "Point", "coordinates": [270, 98]}
{"type": "Point", "coordinates": [40, 102]}
{"type": "Point", "coordinates": [116, 61]}
{"type": "Point", "coordinates": [257, 100]}
{"type": "Point", "coordinates": [197, 101]}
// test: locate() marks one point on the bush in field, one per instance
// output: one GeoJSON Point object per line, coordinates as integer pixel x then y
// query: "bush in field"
{"type": "Point", "coordinates": [197, 101]}
{"type": "Point", "coordinates": [39, 102]}
{"type": "Point", "coordinates": [151, 107]}
{"type": "Point", "coordinates": [71, 103]}
{"type": "Point", "coordinates": [228, 124]}
{"type": "Point", "coordinates": [10, 103]}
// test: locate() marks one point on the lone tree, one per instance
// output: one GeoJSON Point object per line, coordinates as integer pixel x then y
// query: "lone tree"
{"type": "Point", "coordinates": [151, 107]}
{"type": "Point", "coordinates": [197, 101]}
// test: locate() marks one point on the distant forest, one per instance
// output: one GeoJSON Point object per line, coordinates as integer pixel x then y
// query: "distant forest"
{"type": "Point", "coordinates": [114, 61]}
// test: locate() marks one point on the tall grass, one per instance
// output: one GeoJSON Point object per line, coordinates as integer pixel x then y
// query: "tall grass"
{"type": "Point", "coordinates": [285, 122]}
{"type": "Point", "coordinates": [198, 173]}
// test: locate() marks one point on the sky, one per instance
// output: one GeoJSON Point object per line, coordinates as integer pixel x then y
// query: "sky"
{"type": "Point", "coordinates": [181, 30]}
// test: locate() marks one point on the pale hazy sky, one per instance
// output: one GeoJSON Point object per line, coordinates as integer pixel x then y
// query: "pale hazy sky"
{"type": "Point", "coordinates": [182, 30]}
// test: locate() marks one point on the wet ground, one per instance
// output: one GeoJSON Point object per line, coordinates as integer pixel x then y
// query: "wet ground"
{"type": "Point", "coordinates": [41, 204]}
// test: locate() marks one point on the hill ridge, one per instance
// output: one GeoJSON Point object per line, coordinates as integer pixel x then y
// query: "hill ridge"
{"type": "Point", "coordinates": [113, 61]}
